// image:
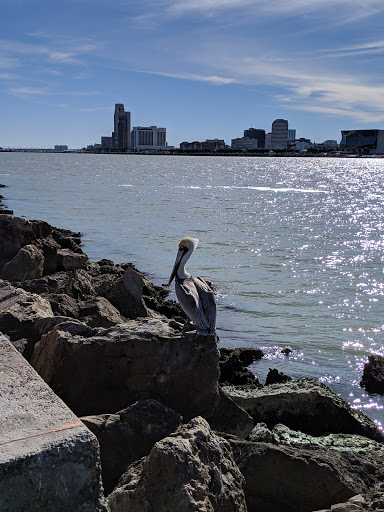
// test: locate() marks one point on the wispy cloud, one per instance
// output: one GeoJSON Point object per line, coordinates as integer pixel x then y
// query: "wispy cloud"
{"type": "Point", "coordinates": [212, 79]}
{"type": "Point", "coordinates": [8, 62]}
{"type": "Point", "coordinates": [8, 76]}
{"type": "Point", "coordinates": [280, 7]}
{"type": "Point", "coordinates": [27, 91]}
{"type": "Point", "coordinates": [31, 91]}
{"type": "Point", "coordinates": [57, 51]}
{"type": "Point", "coordinates": [353, 50]}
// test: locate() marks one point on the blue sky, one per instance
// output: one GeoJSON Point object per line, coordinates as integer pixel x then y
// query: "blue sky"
{"type": "Point", "coordinates": [200, 68]}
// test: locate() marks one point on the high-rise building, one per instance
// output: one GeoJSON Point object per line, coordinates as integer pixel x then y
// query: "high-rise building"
{"type": "Point", "coordinates": [279, 134]}
{"type": "Point", "coordinates": [149, 137]}
{"type": "Point", "coordinates": [122, 128]}
{"type": "Point", "coordinates": [255, 133]}
{"type": "Point", "coordinates": [291, 135]}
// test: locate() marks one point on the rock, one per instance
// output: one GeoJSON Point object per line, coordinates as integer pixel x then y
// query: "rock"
{"type": "Point", "coordinates": [372, 501]}
{"type": "Point", "coordinates": [306, 405]}
{"type": "Point", "coordinates": [125, 293]}
{"type": "Point", "coordinates": [276, 377]}
{"type": "Point", "coordinates": [27, 264]}
{"type": "Point", "coordinates": [282, 478]}
{"type": "Point", "coordinates": [373, 375]}
{"type": "Point", "coordinates": [229, 418]}
{"type": "Point", "coordinates": [69, 260]}
{"type": "Point", "coordinates": [49, 461]}
{"type": "Point", "coordinates": [233, 366]}
{"type": "Point", "coordinates": [75, 283]}
{"type": "Point", "coordinates": [129, 435]}
{"type": "Point", "coordinates": [155, 299]}
{"type": "Point", "coordinates": [63, 305]}
{"type": "Point", "coordinates": [16, 232]}
{"type": "Point", "coordinates": [191, 470]}
{"type": "Point", "coordinates": [365, 455]}
{"type": "Point", "coordinates": [20, 313]}
{"type": "Point", "coordinates": [99, 312]}
{"type": "Point", "coordinates": [108, 370]}
{"type": "Point", "coordinates": [262, 434]}
{"type": "Point", "coordinates": [50, 248]}
{"type": "Point", "coordinates": [286, 351]}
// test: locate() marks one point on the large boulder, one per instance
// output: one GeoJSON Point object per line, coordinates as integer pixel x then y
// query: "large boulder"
{"type": "Point", "coordinates": [27, 264]}
{"type": "Point", "coordinates": [21, 314]}
{"type": "Point", "coordinates": [373, 375]}
{"type": "Point", "coordinates": [109, 369]}
{"type": "Point", "coordinates": [57, 246]}
{"type": "Point", "coordinates": [99, 312]}
{"type": "Point", "coordinates": [129, 435]}
{"type": "Point", "coordinates": [306, 405]}
{"type": "Point", "coordinates": [191, 470]}
{"type": "Point", "coordinates": [126, 294]}
{"type": "Point", "coordinates": [74, 283]}
{"type": "Point", "coordinates": [292, 479]}
{"type": "Point", "coordinates": [229, 418]}
{"type": "Point", "coordinates": [16, 232]}
{"type": "Point", "coordinates": [361, 460]}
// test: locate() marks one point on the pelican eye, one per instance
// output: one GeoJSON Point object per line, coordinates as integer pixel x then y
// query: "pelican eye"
{"type": "Point", "coordinates": [183, 248]}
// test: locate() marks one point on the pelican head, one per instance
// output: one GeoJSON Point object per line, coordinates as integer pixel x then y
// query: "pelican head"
{"type": "Point", "coordinates": [186, 247]}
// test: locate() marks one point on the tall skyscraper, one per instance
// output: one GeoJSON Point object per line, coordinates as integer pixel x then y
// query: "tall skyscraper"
{"type": "Point", "coordinates": [279, 134]}
{"type": "Point", "coordinates": [122, 125]}
{"type": "Point", "coordinates": [259, 135]}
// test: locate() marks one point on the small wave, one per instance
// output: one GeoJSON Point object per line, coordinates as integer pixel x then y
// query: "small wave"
{"type": "Point", "coordinates": [285, 189]}
{"type": "Point", "coordinates": [125, 185]}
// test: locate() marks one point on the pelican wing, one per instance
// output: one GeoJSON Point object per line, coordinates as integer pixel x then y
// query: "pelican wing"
{"type": "Point", "coordinates": [197, 299]}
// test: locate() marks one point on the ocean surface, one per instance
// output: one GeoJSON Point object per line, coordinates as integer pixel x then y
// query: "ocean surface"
{"type": "Point", "coordinates": [295, 246]}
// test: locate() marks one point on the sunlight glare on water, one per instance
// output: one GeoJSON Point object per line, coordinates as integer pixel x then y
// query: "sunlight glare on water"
{"type": "Point", "coordinates": [294, 245]}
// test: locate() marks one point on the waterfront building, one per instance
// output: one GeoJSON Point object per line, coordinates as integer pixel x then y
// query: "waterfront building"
{"type": "Point", "coordinates": [301, 144]}
{"type": "Point", "coordinates": [291, 135]}
{"type": "Point", "coordinates": [209, 145]}
{"type": "Point", "coordinates": [367, 141]}
{"type": "Point", "coordinates": [60, 148]}
{"type": "Point", "coordinates": [279, 138]}
{"type": "Point", "coordinates": [257, 134]}
{"type": "Point", "coordinates": [330, 143]}
{"type": "Point", "coordinates": [268, 140]}
{"type": "Point", "coordinates": [244, 143]}
{"type": "Point", "coordinates": [121, 136]}
{"type": "Point", "coordinates": [149, 137]}
{"type": "Point", "coordinates": [106, 143]}
{"type": "Point", "coordinates": [191, 146]}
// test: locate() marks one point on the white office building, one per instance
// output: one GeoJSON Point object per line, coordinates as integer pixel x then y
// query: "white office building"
{"type": "Point", "coordinates": [149, 137]}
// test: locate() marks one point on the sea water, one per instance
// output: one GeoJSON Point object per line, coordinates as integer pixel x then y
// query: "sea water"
{"type": "Point", "coordinates": [293, 245]}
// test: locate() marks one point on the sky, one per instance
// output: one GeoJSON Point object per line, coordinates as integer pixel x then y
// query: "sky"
{"type": "Point", "coordinates": [200, 68]}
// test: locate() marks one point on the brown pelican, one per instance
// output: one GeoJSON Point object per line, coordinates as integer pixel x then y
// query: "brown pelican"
{"type": "Point", "coordinates": [195, 295]}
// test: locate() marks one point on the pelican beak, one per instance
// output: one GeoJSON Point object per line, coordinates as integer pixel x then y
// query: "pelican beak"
{"type": "Point", "coordinates": [180, 254]}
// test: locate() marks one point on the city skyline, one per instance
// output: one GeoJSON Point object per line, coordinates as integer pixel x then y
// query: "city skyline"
{"type": "Point", "coordinates": [203, 69]}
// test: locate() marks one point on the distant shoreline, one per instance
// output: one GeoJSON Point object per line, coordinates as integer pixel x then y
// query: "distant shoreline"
{"type": "Point", "coordinates": [195, 153]}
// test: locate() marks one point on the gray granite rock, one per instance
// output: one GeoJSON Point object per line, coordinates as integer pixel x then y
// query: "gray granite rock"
{"type": "Point", "coordinates": [109, 369]}
{"type": "Point", "coordinates": [191, 470]}
{"type": "Point", "coordinates": [306, 405]}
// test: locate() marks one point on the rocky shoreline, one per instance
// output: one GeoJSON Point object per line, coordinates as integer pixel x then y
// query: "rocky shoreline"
{"type": "Point", "coordinates": [182, 425]}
